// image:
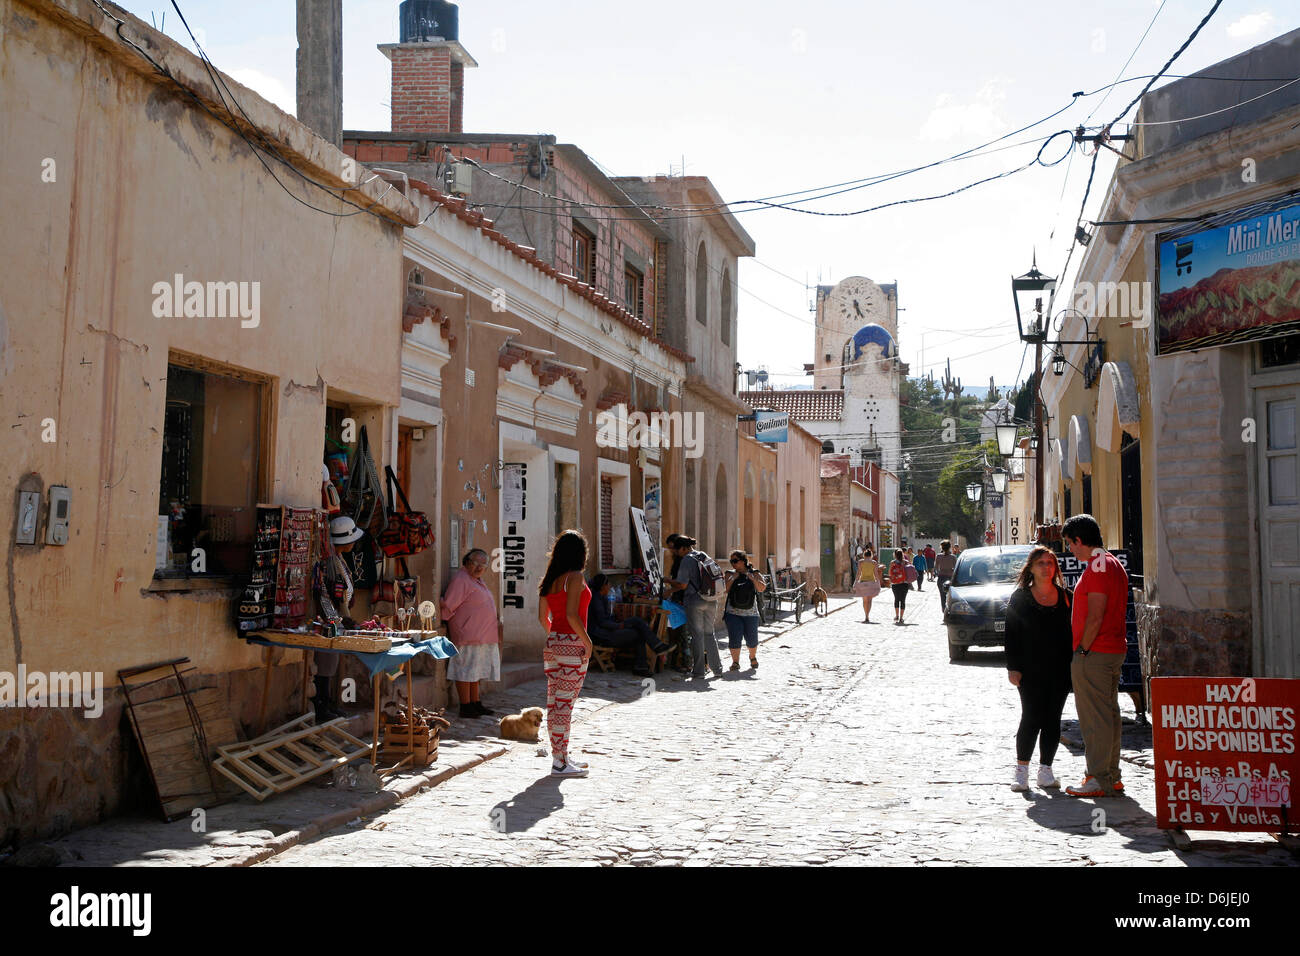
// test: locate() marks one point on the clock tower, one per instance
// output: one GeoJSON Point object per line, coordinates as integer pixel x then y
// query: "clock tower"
{"type": "Point", "coordinates": [842, 310]}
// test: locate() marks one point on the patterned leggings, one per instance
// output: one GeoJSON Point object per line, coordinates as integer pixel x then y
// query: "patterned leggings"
{"type": "Point", "coordinates": [566, 668]}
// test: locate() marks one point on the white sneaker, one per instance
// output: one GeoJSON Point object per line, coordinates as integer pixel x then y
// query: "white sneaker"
{"type": "Point", "coordinates": [1021, 783]}
{"type": "Point", "coordinates": [568, 770]}
{"type": "Point", "coordinates": [1046, 779]}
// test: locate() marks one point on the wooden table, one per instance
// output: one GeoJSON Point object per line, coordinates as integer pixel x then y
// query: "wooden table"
{"type": "Point", "coordinates": [287, 638]}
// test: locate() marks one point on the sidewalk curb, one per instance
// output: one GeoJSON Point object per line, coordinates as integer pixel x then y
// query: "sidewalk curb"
{"type": "Point", "coordinates": [383, 800]}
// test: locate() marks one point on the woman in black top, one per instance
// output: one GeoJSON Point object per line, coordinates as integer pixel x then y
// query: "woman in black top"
{"type": "Point", "coordinates": [1039, 646]}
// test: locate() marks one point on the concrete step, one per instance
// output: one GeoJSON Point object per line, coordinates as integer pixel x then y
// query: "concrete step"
{"type": "Point", "coordinates": [514, 673]}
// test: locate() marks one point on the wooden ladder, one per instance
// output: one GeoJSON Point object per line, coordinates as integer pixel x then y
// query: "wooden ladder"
{"type": "Point", "coordinates": [289, 755]}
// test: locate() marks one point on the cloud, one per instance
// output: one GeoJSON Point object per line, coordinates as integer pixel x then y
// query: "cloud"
{"type": "Point", "coordinates": [980, 118]}
{"type": "Point", "coordinates": [1250, 24]}
{"type": "Point", "coordinates": [269, 87]}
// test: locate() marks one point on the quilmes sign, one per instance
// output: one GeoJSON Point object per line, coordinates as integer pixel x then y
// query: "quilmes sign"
{"type": "Point", "coordinates": [1226, 280]}
{"type": "Point", "coordinates": [772, 426]}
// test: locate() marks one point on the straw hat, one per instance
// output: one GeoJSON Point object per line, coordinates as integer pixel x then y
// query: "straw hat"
{"type": "Point", "coordinates": [343, 530]}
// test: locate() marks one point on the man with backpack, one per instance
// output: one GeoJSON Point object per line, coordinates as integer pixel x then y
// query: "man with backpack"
{"type": "Point", "coordinates": [740, 612]}
{"type": "Point", "coordinates": [698, 583]}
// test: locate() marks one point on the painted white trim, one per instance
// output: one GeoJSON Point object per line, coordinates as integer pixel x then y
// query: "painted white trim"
{"type": "Point", "coordinates": [606, 466]}
{"type": "Point", "coordinates": [1118, 404]}
{"type": "Point", "coordinates": [474, 262]}
{"type": "Point", "coordinates": [512, 432]}
{"type": "Point", "coordinates": [1080, 446]}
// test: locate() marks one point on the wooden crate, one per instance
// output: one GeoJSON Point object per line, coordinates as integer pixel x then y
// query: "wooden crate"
{"type": "Point", "coordinates": [423, 746]}
{"type": "Point", "coordinates": [363, 643]}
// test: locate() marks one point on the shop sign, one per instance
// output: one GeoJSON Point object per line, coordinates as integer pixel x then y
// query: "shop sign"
{"type": "Point", "coordinates": [649, 556]}
{"type": "Point", "coordinates": [1229, 279]}
{"type": "Point", "coordinates": [772, 426]}
{"type": "Point", "coordinates": [1225, 752]}
{"type": "Point", "coordinates": [514, 506]}
{"type": "Point", "coordinates": [512, 492]}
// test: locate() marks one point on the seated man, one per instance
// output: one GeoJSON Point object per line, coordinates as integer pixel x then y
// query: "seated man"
{"type": "Point", "coordinates": [633, 632]}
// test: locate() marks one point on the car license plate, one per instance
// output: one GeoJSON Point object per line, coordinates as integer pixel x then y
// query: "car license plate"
{"type": "Point", "coordinates": [999, 626]}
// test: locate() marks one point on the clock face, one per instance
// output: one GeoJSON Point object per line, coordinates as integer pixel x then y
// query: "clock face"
{"type": "Point", "coordinates": [856, 301]}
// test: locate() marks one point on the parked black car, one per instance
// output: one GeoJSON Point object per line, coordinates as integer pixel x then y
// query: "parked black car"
{"type": "Point", "coordinates": [982, 583]}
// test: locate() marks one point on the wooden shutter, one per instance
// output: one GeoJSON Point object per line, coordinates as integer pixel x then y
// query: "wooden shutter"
{"type": "Point", "coordinates": [606, 523]}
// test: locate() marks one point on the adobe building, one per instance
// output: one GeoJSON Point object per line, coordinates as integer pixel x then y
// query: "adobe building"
{"type": "Point", "coordinates": [1175, 427]}
{"type": "Point", "coordinates": [165, 368]}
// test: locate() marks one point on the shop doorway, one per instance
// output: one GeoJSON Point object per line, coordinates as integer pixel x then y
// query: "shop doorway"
{"type": "Point", "coordinates": [1130, 497]}
{"type": "Point", "coordinates": [1279, 528]}
{"type": "Point", "coordinates": [828, 557]}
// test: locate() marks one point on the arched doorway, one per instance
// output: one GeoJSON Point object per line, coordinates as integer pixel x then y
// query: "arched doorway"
{"type": "Point", "coordinates": [688, 516]}
{"type": "Point", "coordinates": [722, 514]}
{"type": "Point", "coordinates": [700, 531]}
{"type": "Point", "coordinates": [747, 519]}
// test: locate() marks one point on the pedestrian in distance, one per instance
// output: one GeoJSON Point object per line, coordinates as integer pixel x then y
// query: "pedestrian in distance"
{"type": "Point", "coordinates": [918, 562]}
{"type": "Point", "coordinates": [929, 560]}
{"type": "Point", "coordinates": [562, 611]}
{"type": "Point", "coordinates": [867, 585]}
{"type": "Point", "coordinates": [1097, 621]}
{"type": "Point", "coordinates": [898, 583]}
{"type": "Point", "coordinates": [944, 565]}
{"type": "Point", "coordinates": [1038, 647]}
{"type": "Point", "coordinates": [740, 610]}
{"type": "Point", "coordinates": [688, 583]}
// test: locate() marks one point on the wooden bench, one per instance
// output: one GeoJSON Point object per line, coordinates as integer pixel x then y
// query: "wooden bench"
{"type": "Point", "coordinates": [653, 615]}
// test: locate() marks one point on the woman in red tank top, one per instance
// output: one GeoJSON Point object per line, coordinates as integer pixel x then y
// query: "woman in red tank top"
{"type": "Point", "coordinates": [562, 611]}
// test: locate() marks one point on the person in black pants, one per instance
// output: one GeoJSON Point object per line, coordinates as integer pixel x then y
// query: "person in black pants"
{"type": "Point", "coordinates": [632, 632]}
{"type": "Point", "coordinates": [1039, 648]}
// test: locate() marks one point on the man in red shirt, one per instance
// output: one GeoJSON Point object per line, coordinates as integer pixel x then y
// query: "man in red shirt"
{"type": "Point", "coordinates": [1100, 644]}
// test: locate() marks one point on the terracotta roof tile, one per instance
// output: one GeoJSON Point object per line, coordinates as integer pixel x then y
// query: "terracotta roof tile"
{"type": "Point", "coordinates": [802, 404]}
{"type": "Point", "coordinates": [460, 209]}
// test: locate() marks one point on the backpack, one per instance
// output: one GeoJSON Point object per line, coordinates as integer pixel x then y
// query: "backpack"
{"type": "Point", "coordinates": [742, 594]}
{"type": "Point", "coordinates": [710, 577]}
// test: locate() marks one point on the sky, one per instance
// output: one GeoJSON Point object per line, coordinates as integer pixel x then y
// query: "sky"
{"type": "Point", "coordinates": [768, 99]}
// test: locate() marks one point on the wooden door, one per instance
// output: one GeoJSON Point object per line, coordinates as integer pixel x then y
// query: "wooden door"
{"type": "Point", "coordinates": [1279, 529]}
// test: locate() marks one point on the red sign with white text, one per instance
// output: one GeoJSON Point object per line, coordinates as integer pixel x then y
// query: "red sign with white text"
{"type": "Point", "coordinates": [1225, 752]}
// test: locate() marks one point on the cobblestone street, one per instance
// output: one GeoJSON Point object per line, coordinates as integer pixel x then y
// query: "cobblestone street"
{"type": "Point", "coordinates": [852, 744]}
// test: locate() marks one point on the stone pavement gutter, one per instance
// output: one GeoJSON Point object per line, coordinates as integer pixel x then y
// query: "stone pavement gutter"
{"type": "Point", "coordinates": [244, 832]}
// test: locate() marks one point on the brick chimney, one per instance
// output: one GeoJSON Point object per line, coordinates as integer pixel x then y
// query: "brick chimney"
{"type": "Point", "coordinates": [428, 70]}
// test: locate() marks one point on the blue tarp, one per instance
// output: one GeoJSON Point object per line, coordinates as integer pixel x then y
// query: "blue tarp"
{"type": "Point", "coordinates": [390, 661]}
{"type": "Point", "coordinates": [676, 613]}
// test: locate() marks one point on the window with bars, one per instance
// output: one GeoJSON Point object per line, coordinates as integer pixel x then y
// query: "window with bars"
{"type": "Point", "coordinates": [584, 254]}
{"type": "Point", "coordinates": [606, 522]}
{"type": "Point", "coordinates": [212, 473]}
{"type": "Point", "coordinates": [634, 291]}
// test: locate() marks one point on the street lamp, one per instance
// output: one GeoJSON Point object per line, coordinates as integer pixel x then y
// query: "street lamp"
{"type": "Point", "coordinates": [1028, 290]}
{"type": "Point", "coordinates": [999, 480]}
{"type": "Point", "coordinates": [973, 491]}
{"type": "Point", "coordinates": [1058, 362]}
{"type": "Point", "coordinates": [1006, 430]}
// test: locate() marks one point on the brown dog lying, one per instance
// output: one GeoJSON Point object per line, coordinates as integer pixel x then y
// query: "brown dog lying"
{"type": "Point", "coordinates": [522, 726]}
{"type": "Point", "coordinates": [819, 601]}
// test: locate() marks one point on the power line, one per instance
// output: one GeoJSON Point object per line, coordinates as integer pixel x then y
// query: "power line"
{"type": "Point", "coordinates": [1128, 61]}
{"type": "Point", "coordinates": [1124, 112]}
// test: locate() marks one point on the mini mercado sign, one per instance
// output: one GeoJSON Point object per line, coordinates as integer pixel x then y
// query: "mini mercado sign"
{"type": "Point", "coordinates": [1232, 278]}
